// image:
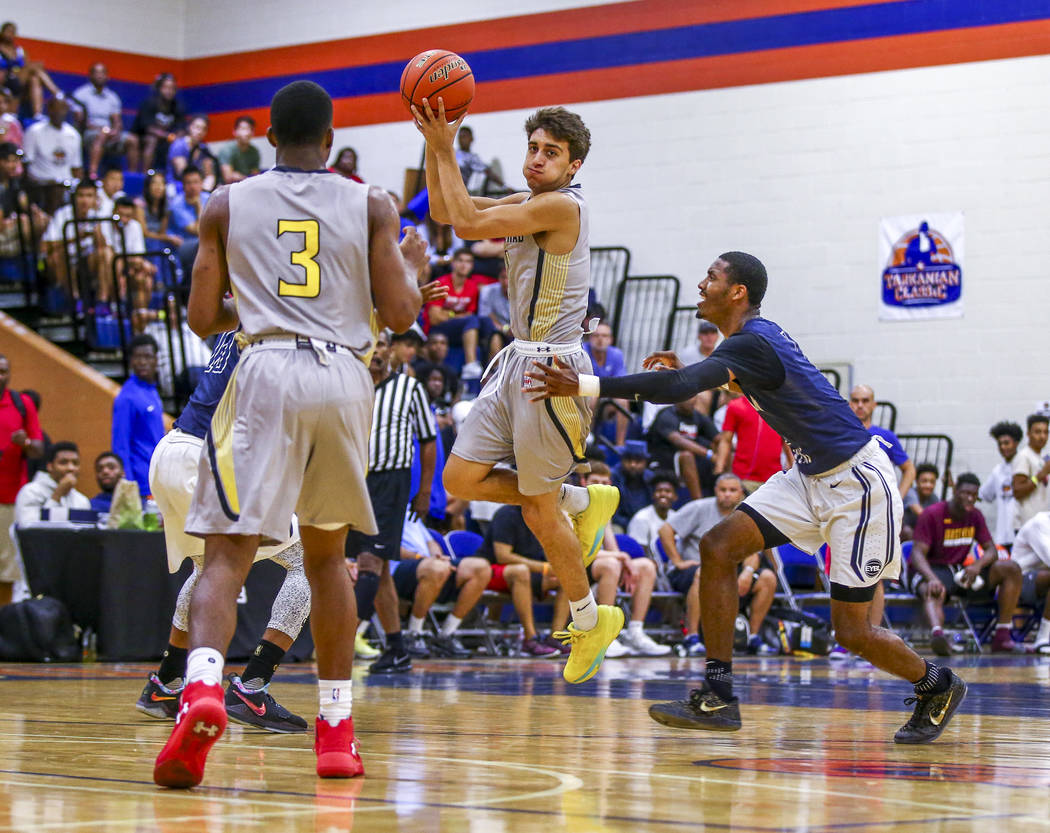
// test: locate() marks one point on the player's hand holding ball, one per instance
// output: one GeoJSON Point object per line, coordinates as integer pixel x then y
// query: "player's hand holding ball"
{"type": "Point", "coordinates": [437, 87]}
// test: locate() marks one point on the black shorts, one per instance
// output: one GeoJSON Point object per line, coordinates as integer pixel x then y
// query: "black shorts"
{"type": "Point", "coordinates": [389, 492]}
{"type": "Point", "coordinates": [946, 576]}
{"type": "Point", "coordinates": [682, 580]}
{"type": "Point", "coordinates": [406, 581]}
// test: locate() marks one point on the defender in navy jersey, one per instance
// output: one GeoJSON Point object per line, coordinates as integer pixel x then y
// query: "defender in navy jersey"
{"type": "Point", "coordinates": [842, 491]}
{"type": "Point", "coordinates": [173, 478]}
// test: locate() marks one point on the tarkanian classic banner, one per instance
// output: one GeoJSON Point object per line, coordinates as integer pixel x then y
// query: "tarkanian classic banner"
{"type": "Point", "coordinates": [921, 258]}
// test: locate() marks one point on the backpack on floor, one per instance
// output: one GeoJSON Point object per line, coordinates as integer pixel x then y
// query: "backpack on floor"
{"type": "Point", "coordinates": [38, 630]}
{"type": "Point", "coordinates": [797, 631]}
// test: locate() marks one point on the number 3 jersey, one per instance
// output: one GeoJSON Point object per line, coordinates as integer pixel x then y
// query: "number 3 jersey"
{"type": "Point", "coordinates": [298, 256]}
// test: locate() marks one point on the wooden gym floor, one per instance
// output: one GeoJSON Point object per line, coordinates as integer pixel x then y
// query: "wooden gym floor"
{"type": "Point", "coordinates": [502, 745]}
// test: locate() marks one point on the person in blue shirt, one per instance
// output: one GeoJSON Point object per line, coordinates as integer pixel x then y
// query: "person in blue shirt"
{"type": "Point", "coordinates": [109, 471]}
{"type": "Point", "coordinates": [840, 492]}
{"type": "Point", "coordinates": [862, 403]}
{"type": "Point", "coordinates": [606, 359]}
{"type": "Point", "coordinates": [138, 413]}
{"type": "Point", "coordinates": [184, 216]}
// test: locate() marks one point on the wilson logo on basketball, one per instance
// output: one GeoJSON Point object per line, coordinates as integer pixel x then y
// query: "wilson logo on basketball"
{"type": "Point", "coordinates": [442, 73]}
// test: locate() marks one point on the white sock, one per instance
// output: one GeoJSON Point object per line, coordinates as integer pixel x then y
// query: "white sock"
{"type": "Point", "coordinates": [204, 665]}
{"type": "Point", "coordinates": [415, 624]}
{"type": "Point", "coordinates": [1044, 632]}
{"type": "Point", "coordinates": [336, 698]}
{"type": "Point", "coordinates": [1000, 626]}
{"type": "Point", "coordinates": [573, 499]}
{"type": "Point", "coordinates": [584, 612]}
{"type": "Point", "coordinates": [634, 627]}
{"type": "Point", "coordinates": [448, 627]}
{"type": "Point", "coordinates": [363, 626]}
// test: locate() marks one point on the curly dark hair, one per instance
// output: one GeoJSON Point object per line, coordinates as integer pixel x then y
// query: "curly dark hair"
{"type": "Point", "coordinates": [1007, 429]}
{"type": "Point", "coordinates": [563, 126]}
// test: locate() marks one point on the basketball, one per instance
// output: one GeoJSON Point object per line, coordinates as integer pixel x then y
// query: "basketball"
{"type": "Point", "coordinates": [434, 73]}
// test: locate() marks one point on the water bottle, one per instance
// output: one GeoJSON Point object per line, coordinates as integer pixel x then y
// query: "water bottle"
{"type": "Point", "coordinates": [151, 517]}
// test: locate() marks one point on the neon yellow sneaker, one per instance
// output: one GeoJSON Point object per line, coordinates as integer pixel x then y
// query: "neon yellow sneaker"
{"type": "Point", "coordinates": [363, 649]}
{"type": "Point", "coordinates": [590, 523]}
{"type": "Point", "coordinates": [588, 647]}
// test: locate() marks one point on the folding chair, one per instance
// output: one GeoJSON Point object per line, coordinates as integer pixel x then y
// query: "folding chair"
{"type": "Point", "coordinates": [801, 565]}
{"type": "Point", "coordinates": [671, 603]}
{"type": "Point", "coordinates": [462, 544]}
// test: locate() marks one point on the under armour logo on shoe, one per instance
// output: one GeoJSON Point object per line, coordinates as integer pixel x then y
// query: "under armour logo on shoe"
{"type": "Point", "coordinates": [212, 730]}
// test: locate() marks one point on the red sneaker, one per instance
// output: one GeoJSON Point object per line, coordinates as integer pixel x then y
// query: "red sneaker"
{"type": "Point", "coordinates": [1003, 643]}
{"type": "Point", "coordinates": [336, 749]}
{"type": "Point", "coordinates": [200, 722]}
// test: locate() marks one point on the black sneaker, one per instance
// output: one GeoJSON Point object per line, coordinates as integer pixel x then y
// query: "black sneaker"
{"type": "Point", "coordinates": [256, 707]}
{"type": "Point", "coordinates": [158, 700]}
{"type": "Point", "coordinates": [703, 710]}
{"type": "Point", "coordinates": [415, 645]}
{"type": "Point", "coordinates": [932, 713]}
{"type": "Point", "coordinates": [939, 644]}
{"type": "Point", "coordinates": [391, 663]}
{"type": "Point", "coordinates": [449, 647]}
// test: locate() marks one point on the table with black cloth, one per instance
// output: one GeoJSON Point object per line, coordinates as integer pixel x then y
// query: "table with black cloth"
{"type": "Point", "coordinates": [116, 583]}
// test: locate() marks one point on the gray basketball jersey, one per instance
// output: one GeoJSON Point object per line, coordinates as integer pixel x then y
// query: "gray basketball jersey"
{"type": "Point", "coordinates": [298, 256]}
{"type": "Point", "coordinates": [548, 293]}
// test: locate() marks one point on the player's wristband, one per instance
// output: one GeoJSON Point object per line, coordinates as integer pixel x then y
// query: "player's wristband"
{"type": "Point", "coordinates": [589, 385]}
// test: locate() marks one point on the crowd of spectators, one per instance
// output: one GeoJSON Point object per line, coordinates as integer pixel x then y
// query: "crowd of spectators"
{"type": "Point", "coordinates": [111, 204]}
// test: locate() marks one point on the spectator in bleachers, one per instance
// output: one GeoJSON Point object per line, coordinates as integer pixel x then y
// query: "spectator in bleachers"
{"type": "Point", "coordinates": [13, 198]}
{"type": "Point", "coordinates": [680, 538]}
{"type": "Point", "coordinates": [862, 403]}
{"type": "Point", "coordinates": [477, 176]}
{"type": "Point", "coordinates": [175, 378]}
{"type": "Point", "coordinates": [707, 337]}
{"type": "Point", "coordinates": [80, 237]}
{"type": "Point", "coordinates": [634, 481]}
{"type": "Point", "coordinates": [1031, 553]}
{"type": "Point", "coordinates": [112, 190]}
{"type": "Point", "coordinates": [756, 449]}
{"type": "Point", "coordinates": [404, 350]}
{"type": "Point", "coordinates": [99, 115]}
{"type": "Point", "coordinates": [456, 315]}
{"type": "Point", "coordinates": [240, 159]}
{"type": "Point", "coordinates": [606, 359]}
{"type": "Point", "coordinates": [53, 153]}
{"type": "Point", "coordinates": [494, 304]}
{"type": "Point", "coordinates": [184, 216]}
{"type": "Point", "coordinates": [520, 568]}
{"type": "Point", "coordinates": [434, 352]}
{"type": "Point", "coordinates": [1030, 472]}
{"type": "Point", "coordinates": [109, 471]}
{"type": "Point", "coordinates": [998, 487]}
{"type": "Point", "coordinates": [160, 120]}
{"type": "Point", "coordinates": [134, 274]}
{"type": "Point", "coordinates": [54, 488]}
{"type": "Point", "coordinates": [921, 497]}
{"type": "Point", "coordinates": [346, 164]}
{"type": "Point", "coordinates": [612, 569]}
{"type": "Point", "coordinates": [37, 463]}
{"type": "Point", "coordinates": [680, 439]}
{"type": "Point", "coordinates": [462, 579]}
{"type": "Point", "coordinates": [944, 537]}
{"type": "Point", "coordinates": [10, 126]}
{"type": "Point", "coordinates": [138, 414]}
{"type": "Point", "coordinates": [191, 149]}
{"type": "Point", "coordinates": [26, 79]}
{"type": "Point", "coordinates": [20, 439]}
{"type": "Point", "coordinates": [645, 524]}
{"type": "Point", "coordinates": [152, 214]}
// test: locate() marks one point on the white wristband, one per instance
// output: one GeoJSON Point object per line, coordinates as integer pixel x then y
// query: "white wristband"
{"type": "Point", "coordinates": [589, 385]}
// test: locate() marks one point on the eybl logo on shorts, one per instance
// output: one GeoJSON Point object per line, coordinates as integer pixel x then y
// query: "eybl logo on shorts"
{"type": "Point", "coordinates": [921, 261]}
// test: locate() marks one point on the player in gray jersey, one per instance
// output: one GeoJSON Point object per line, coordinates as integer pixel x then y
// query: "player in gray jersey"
{"type": "Point", "coordinates": [547, 253]}
{"type": "Point", "coordinates": [306, 255]}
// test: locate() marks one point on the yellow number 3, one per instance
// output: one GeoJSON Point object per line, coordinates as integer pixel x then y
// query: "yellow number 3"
{"type": "Point", "coordinates": [304, 257]}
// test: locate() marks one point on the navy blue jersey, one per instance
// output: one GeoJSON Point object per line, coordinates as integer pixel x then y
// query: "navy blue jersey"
{"type": "Point", "coordinates": [792, 396]}
{"type": "Point", "coordinates": [195, 418]}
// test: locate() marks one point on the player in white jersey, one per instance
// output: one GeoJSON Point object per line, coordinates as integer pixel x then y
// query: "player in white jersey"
{"type": "Point", "coordinates": [548, 268]}
{"type": "Point", "coordinates": [305, 254]}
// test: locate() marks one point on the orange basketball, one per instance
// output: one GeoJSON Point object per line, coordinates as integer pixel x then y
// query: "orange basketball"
{"type": "Point", "coordinates": [434, 73]}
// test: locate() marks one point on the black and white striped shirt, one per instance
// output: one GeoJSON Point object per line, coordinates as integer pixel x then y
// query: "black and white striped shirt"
{"type": "Point", "coordinates": [401, 409]}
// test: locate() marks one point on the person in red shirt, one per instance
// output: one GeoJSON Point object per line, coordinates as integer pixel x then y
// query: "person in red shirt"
{"type": "Point", "coordinates": [20, 438]}
{"type": "Point", "coordinates": [456, 315]}
{"type": "Point", "coordinates": [944, 536]}
{"type": "Point", "coordinates": [758, 447]}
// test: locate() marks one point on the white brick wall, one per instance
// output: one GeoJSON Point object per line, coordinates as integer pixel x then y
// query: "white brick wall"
{"type": "Point", "coordinates": [149, 27]}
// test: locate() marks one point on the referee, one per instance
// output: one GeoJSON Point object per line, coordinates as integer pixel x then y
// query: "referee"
{"type": "Point", "coordinates": [401, 409]}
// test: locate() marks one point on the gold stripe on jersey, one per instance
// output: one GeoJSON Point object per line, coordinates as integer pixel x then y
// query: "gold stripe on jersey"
{"type": "Point", "coordinates": [568, 415]}
{"type": "Point", "coordinates": [551, 293]}
{"type": "Point", "coordinates": [373, 325]}
{"type": "Point", "coordinates": [220, 440]}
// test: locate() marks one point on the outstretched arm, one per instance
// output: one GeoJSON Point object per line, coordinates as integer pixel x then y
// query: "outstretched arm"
{"type": "Point", "coordinates": [665, 387]}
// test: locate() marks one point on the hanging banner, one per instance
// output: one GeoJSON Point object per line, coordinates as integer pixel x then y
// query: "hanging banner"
{"type": "Point", "coordinates": [921, 257]}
